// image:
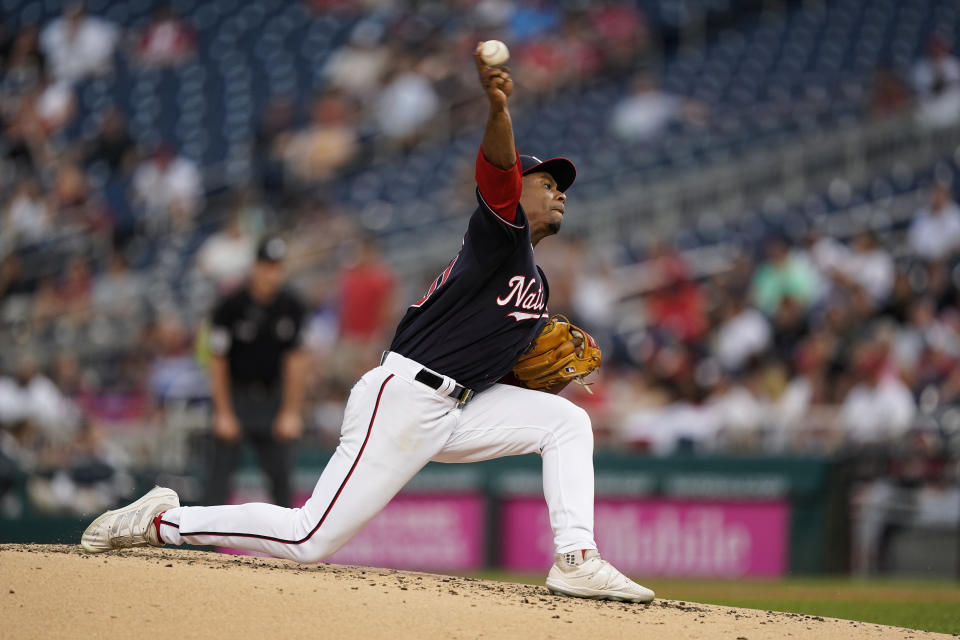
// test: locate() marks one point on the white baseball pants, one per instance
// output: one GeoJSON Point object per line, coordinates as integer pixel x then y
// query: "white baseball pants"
{"type": "Point", "coordinates": [392, 426]}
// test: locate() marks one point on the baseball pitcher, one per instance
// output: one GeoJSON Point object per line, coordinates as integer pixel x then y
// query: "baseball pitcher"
{"type": "Point", "coordinates": [439, 394]}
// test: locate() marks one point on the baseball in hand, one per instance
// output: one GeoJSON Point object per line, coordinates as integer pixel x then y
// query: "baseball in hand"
{"type": "Point", "coordinates": [494, 53]}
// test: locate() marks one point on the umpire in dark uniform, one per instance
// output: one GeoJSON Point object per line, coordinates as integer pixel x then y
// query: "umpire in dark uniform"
{"type": "Point", "coordinates": [257, 376]}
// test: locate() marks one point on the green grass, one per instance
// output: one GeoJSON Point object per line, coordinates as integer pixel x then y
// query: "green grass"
{"type": "Point", "coordinates": [915, 604]}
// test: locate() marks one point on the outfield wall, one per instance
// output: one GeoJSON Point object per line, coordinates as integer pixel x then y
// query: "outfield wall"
{"type": "Point", "coordinates": [717, 517]}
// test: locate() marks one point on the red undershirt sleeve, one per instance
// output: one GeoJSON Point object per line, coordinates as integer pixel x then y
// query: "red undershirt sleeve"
{"type": "Point", "coordinates": [500, 188]}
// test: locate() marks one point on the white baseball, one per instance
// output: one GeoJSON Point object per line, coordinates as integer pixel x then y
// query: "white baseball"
{"type": "Point", "coordinates": [494, 53]}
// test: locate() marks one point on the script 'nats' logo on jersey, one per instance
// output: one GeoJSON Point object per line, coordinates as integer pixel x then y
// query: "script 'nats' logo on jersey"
{"type": "Point", "coordinates": [520, 294]}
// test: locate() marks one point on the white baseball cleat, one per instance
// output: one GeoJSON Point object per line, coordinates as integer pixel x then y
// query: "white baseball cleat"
{"type": "Point", "coordinates": [129, 526]}
{"type": "Point", "coordinates": [584, 574]}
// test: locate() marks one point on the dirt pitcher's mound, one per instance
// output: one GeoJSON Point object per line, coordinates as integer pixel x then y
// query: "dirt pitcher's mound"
{"type": "Point", "coordinates": [61, 592]}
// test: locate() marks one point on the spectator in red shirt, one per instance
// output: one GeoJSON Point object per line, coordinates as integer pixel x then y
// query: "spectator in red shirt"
{"type": "Point", "coordinates": [367, 310]}
{"type": "Point", "coordinates": [677, 305]}
{"type": "Point", "coordinates": [167, 40]}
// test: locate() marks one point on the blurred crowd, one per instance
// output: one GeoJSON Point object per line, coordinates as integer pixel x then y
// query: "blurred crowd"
{"type": "Point", "coordinates": [811, 345]}
{"type": "Point", "coordinates": [113, 250]}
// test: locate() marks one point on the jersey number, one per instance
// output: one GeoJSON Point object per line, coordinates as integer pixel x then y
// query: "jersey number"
{"type": "Point", "coordinates": [436, 284]}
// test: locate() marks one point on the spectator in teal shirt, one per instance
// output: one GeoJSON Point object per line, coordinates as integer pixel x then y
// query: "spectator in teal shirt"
{"type": "Point", "coordinates": [784, 274]}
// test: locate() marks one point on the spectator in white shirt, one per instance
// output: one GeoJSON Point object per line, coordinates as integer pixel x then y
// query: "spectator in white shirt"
{"type": "Point", "coordinates": [744, 333]}
{"type": "Point", "coordinates": [936, 80]}
{"type": "Point", "coordinates": [869, 266]}
{"type": "Point", "coordinates": [227, 255]}
{"type": "Point", "coordinates": [880, 406]}
{"type": "Point", "coordinates": [646, 112]}
{"type": "Point", "coordinates": [78, 45]}
{"type": "Point", "coordinates": [407, 103]}
{"type": "Point", "coordinates": [27, 217]}
{"type": "Point", "coordinates": [166, 182]}
{"type": "Point", "coordinates": [935, 232]}
{"type": "Point", "coordinates": [118, 292]}
{"type": "Point", "coordinates": [31, 397]}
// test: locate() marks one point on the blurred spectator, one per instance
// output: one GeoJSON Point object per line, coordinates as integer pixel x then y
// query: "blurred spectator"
{"type": "Point", "coordinates": [326, 145]}
{"type": "Point", "coordinates": [27, 218]}
{"type": "Point", "coordinates": [804, 409]}
{"type": "Point", "coordinates": [935, 231]}
{"type": "Point", "coordinates": [167, 40]}
{"type": "Point", "coordinates": [676, 305]}
{"type": "Point", "coordinates": [550, 63]}
{"type": "Point", "coordinates": [407, 103]}
{"type": "Point", "coordinates": [54, 105]}
{"type": "Point", "coordinates": [790, 327]}
{"type": "Point", "coordinates": [648, 111]}
{"type": "Point", "coordinates": [743, 333]}
{"type": "Point", "coordinates": [166, 183]}
{"type": "Point", "coordinates": [564, 259]}
{"type": "Point", "coordinates": [41, 112]}
{"type": "Point", "coordinates": [868, 266]}
{"type": "Point", "coordinates": [914, 337]}
{"type": "Point", "coordinates": [621, 32]}
{"type": "Point", "coordinates": [78, 45]}
{"type": "Point", "coordinates": [941, 286]}
{"type": "Point", "coordinates": [367, 295]}
{"type": "Point", "coordinates": [112, 143]}
{"type": "Point", "coordinates": [13, 281]}
{"type": "Point", "coordinates": [534, 19]}
{"type": "Point", "coordinates": [118, 293]}
{"type": "Point", "coordinates": [645, 112]}
{"type": "Point", "coordinates": [783, 274]}
{"type": "Point", "coordinates": [75, 290]}
{"type": "Point", "coordinates": [323, 326]}
{"type": "Point", "coordinates": [357, 68]}
{"type": "Point", "coordinates": [592, 290]}
{"type": "Point", "coordinates": [174, 373]}
{"type": "Point", "coordinates": [74, 203]}
{"type": "Point", "coordinates": [743, 411]}
{"type": "Point", "coordinates": [901, 297]}
{"type": "Point", "coordinates": [879, 407]}
{"type": "Point", "coordinates": [936, 79]}
{"type": "Point", "coordinates": [25, 62]}
{"type": "Point", "coordinates": [272, 138]}
{"type": "Point", "coordinates": [227, 255]}
{"type": "Point", "coordinates": [683, 424]}
{"type": "Point", "coordinates": [30, 397]}
{"type": "Point", "coordinates": [46, 305]}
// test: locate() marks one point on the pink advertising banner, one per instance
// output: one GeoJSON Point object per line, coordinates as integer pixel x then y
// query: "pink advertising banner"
{"type": "Point", "coordinates": [721, 539]}
{"type": "Point", "coordinates": [424, 532]}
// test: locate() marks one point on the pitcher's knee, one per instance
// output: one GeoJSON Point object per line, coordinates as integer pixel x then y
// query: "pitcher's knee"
{"type": "Point", "coordinates": [311, 551]}
{"type": "Point", "coordinates": [577, 424]}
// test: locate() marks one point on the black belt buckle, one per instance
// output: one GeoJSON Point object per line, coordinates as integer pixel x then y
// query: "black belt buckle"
{"type": "Point", "coordinates": [460, 393]}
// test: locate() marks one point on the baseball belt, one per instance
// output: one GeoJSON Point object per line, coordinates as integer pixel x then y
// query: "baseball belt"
{"type": "Point", "coordinates": [460, 393]}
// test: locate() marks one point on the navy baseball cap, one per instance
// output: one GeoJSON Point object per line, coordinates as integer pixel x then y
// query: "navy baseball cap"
{"type": "Point", "coordinates": [561, 169]}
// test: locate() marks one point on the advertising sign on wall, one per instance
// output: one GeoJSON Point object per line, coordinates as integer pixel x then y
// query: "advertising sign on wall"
{"type": "Point", "coordinates": [666, 537]}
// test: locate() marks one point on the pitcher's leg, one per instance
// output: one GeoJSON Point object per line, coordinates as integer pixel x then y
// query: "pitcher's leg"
{"type": "Point", "coordinates": [392, 427]}
{"type": "Point", "coordinates": [279, 531]}
{"type": "Point", "coordinates": [505, 421]}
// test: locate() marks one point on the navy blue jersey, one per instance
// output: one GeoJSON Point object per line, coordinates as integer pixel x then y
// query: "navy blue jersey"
{"type": "Point", "coordinates": [485, 308]}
